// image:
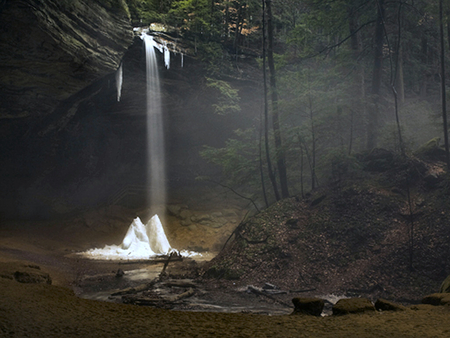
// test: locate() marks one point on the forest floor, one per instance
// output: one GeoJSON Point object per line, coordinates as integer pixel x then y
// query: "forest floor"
{"type": "Point", "coordinates": [350, 240]}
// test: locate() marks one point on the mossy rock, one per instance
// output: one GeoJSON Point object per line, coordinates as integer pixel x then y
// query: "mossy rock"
{"type": "Point", "coordinates": [379, 160]}
{"type": "Point", "coordinates": [385, 305]}
{"type": "Point", "coordinates": [431, 150]}
{"type": "Point", "coordinates": [352, 305]}
{"type": "Point", "coordinates": [437, 299]}
{"type": "Point", "coordinates": [308, 306]}
{"type": "Point", "coordinates": [37, 277]}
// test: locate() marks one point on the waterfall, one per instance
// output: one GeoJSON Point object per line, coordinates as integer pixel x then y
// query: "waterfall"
{"type": "Point", "coordinates": [155, 132]}
{"type": "Point", "coordinates": [119, 81]}
{"type": "Point", "coordinates": [145, 241]}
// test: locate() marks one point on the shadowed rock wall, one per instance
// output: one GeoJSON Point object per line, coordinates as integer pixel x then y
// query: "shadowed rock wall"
{"type": "Point", "coordinates": [67, 142]}
{"type": "Point", "coordinates": [51, 49]}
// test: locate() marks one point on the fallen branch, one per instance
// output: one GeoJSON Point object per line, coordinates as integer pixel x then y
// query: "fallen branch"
{"type": "Point", "coordinates": [261, 293]}
{"type": "Point", "coordinates": [300, 291]}
{"type": "Point", "coordinates": [232, 190]}
{"type": "Point", "coordinates": [133, 290]}
{"type": "Point", "coordinates": [181, 296]}
{"type": "Point", "coordinates": [159, 302]}
{"type": "Point", "coordinates": [235, 230]}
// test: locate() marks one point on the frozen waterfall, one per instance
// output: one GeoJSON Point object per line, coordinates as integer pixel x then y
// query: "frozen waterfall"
{"type": "Point", "coordinates": [140, 242]}
{"type": "Point", "coordinates": [119, 81]}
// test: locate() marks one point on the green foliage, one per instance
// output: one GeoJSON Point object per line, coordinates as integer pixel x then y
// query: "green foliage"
{"type": "Point", "coordinates": [228, 97]}
{"type": "Point", "coordinates": [145, 12]}
{"type": "Point", "coordinates": [238, 159]}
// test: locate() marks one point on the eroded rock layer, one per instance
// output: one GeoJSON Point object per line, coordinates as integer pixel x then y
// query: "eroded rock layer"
{"type": "Point", "coordinates": [51, 49]}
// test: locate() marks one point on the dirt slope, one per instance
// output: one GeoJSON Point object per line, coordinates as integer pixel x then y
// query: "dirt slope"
{"type": "Point", "coordinates": [352, 237]}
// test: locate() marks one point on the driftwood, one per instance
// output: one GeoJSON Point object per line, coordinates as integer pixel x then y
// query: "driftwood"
{"type": "Point", "coordinates": [300, 291]}
{"type": "Point", "coordinates": [181, 296]}
{"type": "Point", "coordinates": [153, 301]}
{"type": "Point", "coordinates": [166, 263]}
{"type": "Point", "coordinates": [133, 290]}
{"type": "Point", "coordinates": [180, 284]}
{"type": "Point", "coordinates": [254, 290]}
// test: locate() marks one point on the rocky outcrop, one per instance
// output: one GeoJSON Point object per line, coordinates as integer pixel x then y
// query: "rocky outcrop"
{"type": "Point", "coordinates": [308, 306]}
{"type": "Point", "coordinates": [386, 305]}
{"type": "Point", "coordinates": [51, 49]}
{"type": "Point", "coordinates": [437, 299]}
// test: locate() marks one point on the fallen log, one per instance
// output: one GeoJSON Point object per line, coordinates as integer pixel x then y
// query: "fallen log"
{"type": "Point", "coordinates": [156, 301]}
{"type": "Point", "coordinates": [181, 296]}
{"type": "Point", "coordinates": [133, 290]}
{"type": "Point", "coordinates": [180, 284]}
{"type": "Point", "coordinates": [261, 293]}
{"type": "Point", "coordinates": [300, 291]}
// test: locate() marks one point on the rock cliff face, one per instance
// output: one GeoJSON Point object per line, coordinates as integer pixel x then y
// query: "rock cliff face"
{"type": "Point", "coordinates": [66, 141]}
{"type": "Point", "coordinates": [51, 49]}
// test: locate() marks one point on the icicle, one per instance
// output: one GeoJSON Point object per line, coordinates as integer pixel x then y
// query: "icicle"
{"type": "Point", "coordinates": [119, 81]}
{"type": "Point", "coordinates": [166, 57]}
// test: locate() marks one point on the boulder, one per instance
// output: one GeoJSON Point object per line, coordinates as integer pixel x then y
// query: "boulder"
{"type": "Point", "coordinates": [437, 299]}
{"type": "Point", "coordinates": [385, 305]}
{"type": "Point", "coordinates": [353, 305]}
{"type": "Point", "coordinates": [379, 160]}
{"type": "Point", "coordinates": [431, 150]}
{"type": "Point", "coordinates": [37, 277]}
{"type": "Point", "coordinates": [308, 306]}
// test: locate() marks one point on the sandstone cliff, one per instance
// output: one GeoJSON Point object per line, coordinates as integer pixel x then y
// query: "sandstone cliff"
{"type": "Point", "coordinates": [51, 49]}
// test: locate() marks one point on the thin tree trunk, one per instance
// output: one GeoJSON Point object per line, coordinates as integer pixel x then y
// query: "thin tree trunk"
{"type": "Point", "coordinates": [301, 170]}
{"type": "Point", "coordinates": [424, 57]}
{"type": "Point", "coordinates": [261, 171]}
{"type": "Point", "coordinates": [400, 83]}
{"type": "Point", "coordinates": [227, 19]}
{"type": "Point", "coordinates": [266, 113]}
{"type": "Point", "coordinates": [360, 83]}
{"type": "Point", "coordinates": [443, 91]}
{"type": "Point", "coordinates": [350, 145]}
{"type": "Point", "coordinates": [236, 33]}
{"type": "Point", "coordinates": [281, 159]}
{"type": "Point", "coordinates": [313, 146]}
{"type": "Point", "coordinates": [448, 26]}
{"type": "Point", "coordinates": [374, 111]}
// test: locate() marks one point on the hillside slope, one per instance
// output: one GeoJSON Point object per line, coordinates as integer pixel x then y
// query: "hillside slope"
{"type": "Point", "coordinates": [352, 237]}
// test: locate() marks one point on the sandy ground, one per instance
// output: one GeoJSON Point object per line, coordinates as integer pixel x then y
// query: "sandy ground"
{"type": "Point", "coordinates": [41, 310]}
{"type": "Point", "coordinates": [37, 310]}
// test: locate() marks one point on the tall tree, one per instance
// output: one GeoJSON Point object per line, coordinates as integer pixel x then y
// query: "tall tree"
{"type": "Point", "coordinates": [374, 112]}
{"type": "Point", "coordinates": [272, 177]}
{"type": "Point", "coordinates": [280, 156]}
{"type": "Point", "coordinates": [443, 91]}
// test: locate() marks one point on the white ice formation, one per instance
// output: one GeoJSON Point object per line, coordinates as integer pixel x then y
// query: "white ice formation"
{"type": "Point", "coordinates": [140, 242]}
{"type": "Point", "coordinates": [119, 81]}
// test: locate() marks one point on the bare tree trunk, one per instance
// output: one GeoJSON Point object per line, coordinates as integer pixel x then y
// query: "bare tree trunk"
{"type": "Point", "coordinates": [261, 171]}
{"type": "Point", "coordinates": [301, 170]}
{"type": "Point", "coordinates": [271, 174]}
{"type": "Point", "coordinates": [424, 57]}
{"type": "Point", "coordinates": [236, 33]}
{"type": "Point", "coordinates": [227, 19]}
{"type": "Point", "coordinates": [360, 83]}
{"type": "Point", "coordinates": [313, 146]}
{"type": "Point", "coordinates": [281, 159]}
{"type": "Point", "coordinates": [374, 112]}
{"type": "Point", "coordinates": [448, 26]}
{"type": "Point", "coordinates": [443, 91]}
{"type": "Point", "coordinates": [400, 83]}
